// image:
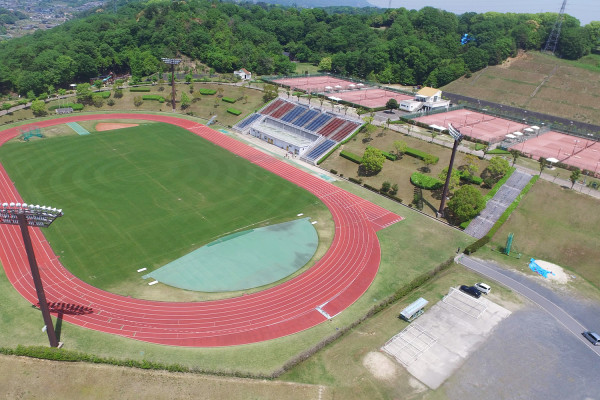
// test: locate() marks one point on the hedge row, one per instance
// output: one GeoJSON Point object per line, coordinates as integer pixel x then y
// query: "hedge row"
{"type": "Point", "coordinates": [74, 106]}
{"type": "Point", "coordinates": [104, 95]}
{"type": "Point", "coordinates": [425, 182]}
{"type": "Point", "coordinates": [208, 92]}
{"type": "Point", "coordinates": [467, 177]}
{"type": "Point", "coordinates": [139, 89]}
{"type": "Point", "coordinates": [472, 248]}
{"type": "Point", "coordinates": [498, 151]}
{"type": "Point", "coordinates": [351, 156]}
{"type": "Point", "coordinates": [420, 154]}
{"type": "Point", "coordinates": [228, 100]}
{"type": "Point", "coordinates": [330, 152]}
{"type": "Point", "coordinates": [233, 111]}
{"type": "Point", "coordinates": [155, 97]}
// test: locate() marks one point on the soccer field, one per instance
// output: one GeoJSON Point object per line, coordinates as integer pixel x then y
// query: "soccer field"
{"type": "Point", "coordinates": [144, 196]}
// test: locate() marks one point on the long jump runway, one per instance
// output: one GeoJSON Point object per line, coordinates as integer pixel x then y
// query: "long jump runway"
{"type": "Point", "coordinates": [336, 281]}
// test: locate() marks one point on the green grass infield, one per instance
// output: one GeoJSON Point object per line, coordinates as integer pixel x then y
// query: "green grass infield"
{"type": "Point", "coordinates": [144, 196]}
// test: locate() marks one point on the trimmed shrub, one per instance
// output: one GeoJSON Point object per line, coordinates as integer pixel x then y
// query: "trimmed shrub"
{"type": "Point", "coordinates": [351, 156]}
{"type": "Point", "coordinates": [333, 171]}
{"type": "Point", "coordinates": [498, 151]}
{"type": "Point", "coordinates": [354, 180]}
{"type": "Point", "coordinates": [420, 154]}
{"type": "Point", "coordinates": [472, 248]}
{"type": "Point", "coordinates": [155, 97]}
{"type": "Point", "coordinates": [139, 89]}
{"type": "Point", "coordinates": [425, 182]}
{"type": "Point", "coordinates": [465, 176]}
{"type": "Point", "coordinates": [228, 100]}
{"type": "Point", "coordinates": [233, 111]}
{"type": "Point", "coordinates": [371, 188]}
{"type": "Point", "coordinates": [207, 92]}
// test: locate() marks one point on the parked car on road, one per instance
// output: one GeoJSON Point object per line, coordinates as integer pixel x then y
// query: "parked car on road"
{"type": "Point", "coordinates": [593, 337]}
{"type": "Point", "coordinates": [471, 291]}
{"type": "Point", "coordinates": [483, 288]}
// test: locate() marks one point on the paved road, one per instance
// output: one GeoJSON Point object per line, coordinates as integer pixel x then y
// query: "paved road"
{"type": "Point", "coordinates": [534, 292]}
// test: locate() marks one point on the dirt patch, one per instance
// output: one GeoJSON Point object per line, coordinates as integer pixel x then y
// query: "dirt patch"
{"type": "Point", "coordinates": [521, 55]}
{"type": "Point", "coordinates": [557, 273]}
{"type": "Point", "coordinates": [380, 366]}
{"type": "Point", "coordinates": [109, 126]}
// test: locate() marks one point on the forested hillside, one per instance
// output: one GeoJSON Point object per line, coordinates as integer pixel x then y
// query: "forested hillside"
{"type": "Point", "coordinates": [397, 46]}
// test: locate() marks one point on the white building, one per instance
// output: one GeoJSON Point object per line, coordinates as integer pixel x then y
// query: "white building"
{"type": "Point", "coordinates": [243, 74]}
{"type": "Point", "coordinates": [431, 98]}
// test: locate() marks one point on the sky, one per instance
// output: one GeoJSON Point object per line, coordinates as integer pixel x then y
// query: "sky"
{"type": "Point", "coordinates": [584, 10]}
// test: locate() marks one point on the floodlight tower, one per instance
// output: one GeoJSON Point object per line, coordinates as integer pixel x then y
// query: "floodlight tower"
{"type": "Point", "coordinates": [26, 215]}
{"type": "Point", "coordinates": [172, 62]}
{"type": "Point", "coordinates": [457, 136]}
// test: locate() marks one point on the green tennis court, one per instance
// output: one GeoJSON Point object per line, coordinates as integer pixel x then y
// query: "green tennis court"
{"type": "Point", "coordinates": [243, 260]}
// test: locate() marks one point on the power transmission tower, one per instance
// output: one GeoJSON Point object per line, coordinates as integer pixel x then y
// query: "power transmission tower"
{"type": "Point", "coordinates": [555, 34]}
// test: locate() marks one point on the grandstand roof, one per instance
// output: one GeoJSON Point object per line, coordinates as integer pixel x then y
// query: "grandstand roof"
{"type": "Point", "coordinates": [284, 135]}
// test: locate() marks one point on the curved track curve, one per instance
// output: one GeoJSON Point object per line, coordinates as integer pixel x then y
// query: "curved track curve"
{"type": "Point", "coordinates": [338, 279]}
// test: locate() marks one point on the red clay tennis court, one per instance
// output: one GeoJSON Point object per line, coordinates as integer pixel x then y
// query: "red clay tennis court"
{"type": "Point", "coordinates": [336, 281]}
{"type": "Point", "coordinates": [318, 83]}
{"type": "Point", "coordinates": [371, 98]}
{"type": "Point", "coordinates": [571, 150]}
{"type": "Point", "coordinates": [475, 125]}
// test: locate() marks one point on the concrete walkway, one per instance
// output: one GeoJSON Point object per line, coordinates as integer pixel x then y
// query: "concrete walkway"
{"type": "Point", "coordinates": [503, 198]}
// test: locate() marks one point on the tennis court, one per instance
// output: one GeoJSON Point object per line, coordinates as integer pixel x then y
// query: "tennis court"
{"type": "Point", "coordinates": [474, 124]}
{"type": "Point", "coordinates": [317, 84]}
{"type": "Point", "coordinates": [572, 150]}
{"type": "Point", "coordinates": [371, 98]}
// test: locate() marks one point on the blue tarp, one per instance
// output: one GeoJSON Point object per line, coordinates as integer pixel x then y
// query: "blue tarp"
{"type": "Point", "coordinates": [536, 268]}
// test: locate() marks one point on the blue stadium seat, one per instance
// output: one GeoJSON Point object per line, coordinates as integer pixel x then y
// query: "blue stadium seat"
{"type": "Point", "coordinates": [320, 149]}
{"type": "Point", "coordinates": [318, 122]}
{"type": "Point", "coordinates": [293, 113]}
{"type": "Point", "coordinates": [248, 121]}
{"type": "Point", "coordinates": [304, 118]}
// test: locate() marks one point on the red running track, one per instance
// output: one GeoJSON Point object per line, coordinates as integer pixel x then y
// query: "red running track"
{"type": "Point", "coordinates": [337, 280]}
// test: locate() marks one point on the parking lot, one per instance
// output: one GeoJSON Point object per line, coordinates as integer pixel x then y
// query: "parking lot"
{"type": "Point", "coordinates": [438, 343]}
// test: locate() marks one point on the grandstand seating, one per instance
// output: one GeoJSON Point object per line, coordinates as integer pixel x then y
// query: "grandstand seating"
{"type": "Point", "coordinates": [248, 121]}
{"type": "Point", "coordinates": [305, 118]}
{"type": "Point", "coordinates": [281, 111]}
{"type": "Point", "coordinates": [293, 113]}
{"type": "Point", "coordinates": [318, 122]}
{"type": "Point", "coordinates": [344, 131]}
{"type": "Point", "coordinates": [331, 127]}
{"type": "Point", "coordinates": [315, 153]}
{"type": "Point", "coordinates": [272, 107]}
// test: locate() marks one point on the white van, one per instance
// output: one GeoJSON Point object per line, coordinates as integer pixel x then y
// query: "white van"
{"type": "Point", "coordinates": [483, 288]}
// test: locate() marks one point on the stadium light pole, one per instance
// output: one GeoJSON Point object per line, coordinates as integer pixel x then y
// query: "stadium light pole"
{"type": "Point", "coordinates": [172, 62]}
{"type": "Point", "coordinates": [25, 216]}
{"type": "Point", "coordinates": [457, 136]}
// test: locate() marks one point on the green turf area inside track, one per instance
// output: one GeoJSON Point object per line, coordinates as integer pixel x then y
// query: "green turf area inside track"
{"type": "Point", "coordinates": [144, 196]}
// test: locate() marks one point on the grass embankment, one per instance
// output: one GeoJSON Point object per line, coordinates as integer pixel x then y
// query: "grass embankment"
{"type": "Point", "coordinates": [571, 90]}
{"type": "Point", "coordinates": [557, 225]}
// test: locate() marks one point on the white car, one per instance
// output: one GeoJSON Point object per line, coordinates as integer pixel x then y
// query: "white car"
{"type": "Point", "coordinates": [483, 288]}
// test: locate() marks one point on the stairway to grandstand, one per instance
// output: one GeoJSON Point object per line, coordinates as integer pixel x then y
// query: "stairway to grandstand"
{"type": "Point", "coordinates": [316, 152]}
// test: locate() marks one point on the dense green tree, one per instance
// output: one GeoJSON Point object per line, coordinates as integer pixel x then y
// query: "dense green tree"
{"type": "Point", "coordinates": [84, 93]}
{"type": "Point", "coordinates": [575, 174]}
{"type": "Point", "coordinates": [497, 168]}
{"type": "Point", "coordinates": [466, 203]}
{"type": "Point", "coordinates": [38, 107]}
{"type": "Point", "coordinates": [372, 161]}
{"type": "Point", "coordinates": [392, 104]}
